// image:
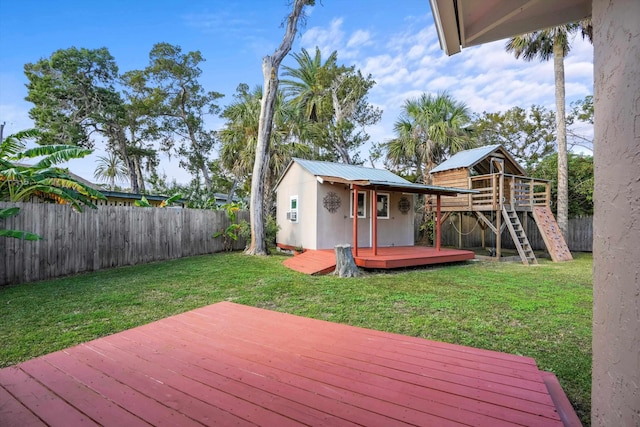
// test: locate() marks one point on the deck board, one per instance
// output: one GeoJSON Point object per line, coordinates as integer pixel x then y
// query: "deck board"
{"type": "Point", "coordinates": [312, 262]}
{"type": "Point", "coordinates": [228, 364]}
{"type": "Point", "coordinates": [323, 261]}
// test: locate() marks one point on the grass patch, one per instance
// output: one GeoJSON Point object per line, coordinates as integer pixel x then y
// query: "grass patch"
{"type": "Point", "coordinates": [541, 311]}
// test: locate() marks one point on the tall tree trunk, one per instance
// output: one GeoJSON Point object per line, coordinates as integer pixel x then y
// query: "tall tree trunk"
{"type": "Point", "coordinates": [121, 140]}
{"type": "Point", "coordinates": [202, 161]}
{"type": "Point", "coordinates": [133, 179]}
{"type": "Point", "coordinates": [232, 191]}
{"type": "Point", "coordinates": [561, 124]}
{"type": "Point", "coordinates": [270, 65]}
{"type": "Point", "coordinates": [338, 142]}
{"type": "Point", "coordinates": [139, 175]}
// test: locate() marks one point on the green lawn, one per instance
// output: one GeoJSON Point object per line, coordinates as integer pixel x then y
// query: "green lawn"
{"type": "Point", "coordinates": [540, 311]}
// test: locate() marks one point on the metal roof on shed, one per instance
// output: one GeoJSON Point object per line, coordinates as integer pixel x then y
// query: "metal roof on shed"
{"type": "Point", "coordinates": [349, 172]}
{"type": "Point", "coordinates": [378, 179]}
{"type": "Point", "coordinates": [466, 159]}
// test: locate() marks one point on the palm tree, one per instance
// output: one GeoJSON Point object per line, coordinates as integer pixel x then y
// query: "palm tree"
{"type": "Point", "coordinates": [429, 129]}
{"type": "Point", "coordinates": [239, 137]}
{"type": "Point", "coordinates": [240, 134]}
{"type": "Point", "coordinates": [544, 44]}
{"type": "Point", "coordinates": [310, 89]}
{"type": "Point", "coordinates": [110, 168]}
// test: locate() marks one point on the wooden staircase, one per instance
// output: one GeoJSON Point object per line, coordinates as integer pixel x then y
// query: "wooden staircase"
{"type": "Point", "coordinates": [551, 234]}
{"type": "Point", "coordinates": [519, 237]}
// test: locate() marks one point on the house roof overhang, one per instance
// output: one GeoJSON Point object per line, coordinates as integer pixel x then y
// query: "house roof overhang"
{"type": "Point", "coordinates": [465, 23]}
{"type": "Point", "coordinates": [400, 187]}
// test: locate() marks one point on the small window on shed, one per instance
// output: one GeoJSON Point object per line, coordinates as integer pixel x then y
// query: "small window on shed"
{"type": "Point", "coordinates": [292, 213]}
{"type": "Point", "coordinates": [362, 203]}
{"type": "Point", "coordinates": [382, 205]}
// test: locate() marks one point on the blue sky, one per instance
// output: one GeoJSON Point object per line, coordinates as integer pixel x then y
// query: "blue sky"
{"type": "Point", "coordinates": [396, 42]}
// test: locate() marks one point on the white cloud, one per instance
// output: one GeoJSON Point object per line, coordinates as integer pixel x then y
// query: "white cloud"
{"type": "Point", "coordinates": [359, 38]}
{"type": "Point", "coordinates": [326, 39]}
{"type": "Point", "coordinates": [416, 52]}
{"type": "Point", "coordinates": [405, 60]}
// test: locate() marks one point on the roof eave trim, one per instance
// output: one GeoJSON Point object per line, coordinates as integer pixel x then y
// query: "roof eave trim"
{"type": "Point", "coordinates": [445, 18]}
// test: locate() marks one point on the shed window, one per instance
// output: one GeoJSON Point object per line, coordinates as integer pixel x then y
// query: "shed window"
{"type": "Point", "coordinates": [382, 205]}
{"type": "Point", "coordinates": [362, 203]}
{"type": "Point", "coordinates": [292, 214]}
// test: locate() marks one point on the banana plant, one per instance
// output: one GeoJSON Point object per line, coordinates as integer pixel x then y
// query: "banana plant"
{"type": "Point", "coordinates": [43, 180]}
{"type": "Point", "coordinates": [16, 234]}
{"type": "Point", "coordinates": [229, 234]}
{"type": "Point", "coordinates": [144, 203]}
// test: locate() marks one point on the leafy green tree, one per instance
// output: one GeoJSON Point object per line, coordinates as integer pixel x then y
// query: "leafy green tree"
{"type": "Point", "coordinates": [75, 101]}
{"type": "Point", "coordinates": [109, 169]}
{"type": "Point", "coordinates": [21, 182]}
{"type": "Point", "coordinates": [581, 111]}
{"type": "Point", "coordinates": [332, 105]}
{"type": "Point", "coordinates": [351, 113]}
{"type": "Point", "coordinates": [527, 134]}
{"type": "Point", "coordinates": [430, 129]}
{"type": "Point", "coordinates": [142, 107]}
{"type": "Point", "coordinates": [546, 44]}
{"type": "Point", "coordinates": [72, 91]}
{"type": "Point", "coordinates": [580, 181]}
{"type": "Point", "coordinates": [184, 105]}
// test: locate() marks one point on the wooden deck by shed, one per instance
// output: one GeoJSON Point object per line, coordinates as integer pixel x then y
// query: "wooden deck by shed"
{"type": "Point", "coordinates": [228, 364]}
{"type": "Point", "coordinates": [324, 261]}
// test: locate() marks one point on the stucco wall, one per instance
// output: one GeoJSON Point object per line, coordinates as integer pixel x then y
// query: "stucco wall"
{"type": "Point", "coordinates": [336, 228]}
{"type": "Point", "coordinates": [298, 182]}
{"type": "Point", "coordinates": [616, 245]}
{"type": "Point", "coordinates": [318, 228]}
{"type": "Point", "coordinates": [398, 230]}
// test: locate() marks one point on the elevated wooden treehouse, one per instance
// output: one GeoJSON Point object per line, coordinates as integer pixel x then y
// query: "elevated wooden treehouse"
{"type": "Point", "coordinates": [505, 197]}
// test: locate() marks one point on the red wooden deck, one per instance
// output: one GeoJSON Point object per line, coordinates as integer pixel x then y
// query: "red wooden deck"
{"type": "Point", "coordinates": [228, 364]}
{"type": "Point", "coordinates": [312, 262]}
{"type": "Point", "coordinates": [323, 261]}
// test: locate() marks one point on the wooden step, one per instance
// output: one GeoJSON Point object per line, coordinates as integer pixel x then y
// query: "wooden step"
{"type": "Point", "coordinates": [519, 237]}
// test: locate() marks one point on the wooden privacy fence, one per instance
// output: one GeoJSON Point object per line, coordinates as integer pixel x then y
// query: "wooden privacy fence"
{"type": "Point", "coordinates": [110, 236]}
{"type": "Point", "coordinates": [580, 237]}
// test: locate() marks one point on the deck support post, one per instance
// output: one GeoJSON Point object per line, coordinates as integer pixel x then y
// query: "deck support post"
{"type": "Point", "coordinates": [459, 230]}
{"type": "Point", "coordinates": [547, 195]}
{"type": "Point", "coordinates": [499, 217]}
{"type": "Point", "coordinates": [355, 220]}
{"type": "Point", "coordinates": [374, 219]}
{"type": "Point", "coordinates": [438, 205]}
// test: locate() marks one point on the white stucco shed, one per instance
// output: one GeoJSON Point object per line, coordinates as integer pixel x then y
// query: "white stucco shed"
{"type": "Point", "coordinates": [315, 206]}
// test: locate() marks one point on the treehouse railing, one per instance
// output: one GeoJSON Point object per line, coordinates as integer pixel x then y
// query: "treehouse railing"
{"type": "Point", "coordinates": [517, 191]}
